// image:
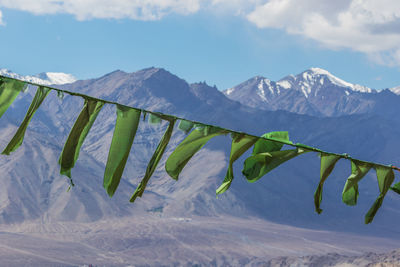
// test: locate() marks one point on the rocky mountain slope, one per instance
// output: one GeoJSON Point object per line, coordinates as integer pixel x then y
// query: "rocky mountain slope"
{"type": "Point", "coordinates": [391, 259]}
{"type": "Point", "coordinates": [315, 92]}
{"type": "Point", "coordinates": [34, 192]}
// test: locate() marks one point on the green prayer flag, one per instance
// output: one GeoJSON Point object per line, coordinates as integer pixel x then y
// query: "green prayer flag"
{"type": "Point", "coordinates": [18, 138]}
{"type": "Point", "coordinates": [350, 190]}
{"type": "Point", "coordinates": [154, 159]}
{"type": "Point", "coordinates": [185, 126]}
{"type": "Point", "coordinates": [240, 144]}
{"type": "Point", "coordinates": [124, 133]}
{"type": "Point", "coordinates": [256, 166]}
{"type": "Point", "coordinates": [79, 131]}
{"type": "Point", "coordinates": [188, 147]}
{"type": "Point", "coordinates": [60, 95]}
{"type": "Point", "coordinates": [396, 188]}
{"type": "Point", "coordinates": [263, 145]}
{"type": "Point", "coordinates": [267, 156]}
{"type": "Point", "coordinates": [154, 119]}
{"type": "Point", "coordinates": [327, 164]}
{"type": "Point", "coordinates": [385, 177]}
{"type": "Point", "coordinates": [9, 90]}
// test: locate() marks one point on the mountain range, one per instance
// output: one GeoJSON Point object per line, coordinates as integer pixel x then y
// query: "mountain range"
{"type": "Point", "coordinates": [315, 92]}
{"type": "Point", "coordinates": [45, 78]}
{"type": "Point", "coordinates": [315, 107]}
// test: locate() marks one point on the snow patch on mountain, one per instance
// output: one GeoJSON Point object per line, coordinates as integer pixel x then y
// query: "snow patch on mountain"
{"type": "Point", "coordinates": [44, 78]}
{"type": "Point", "coordinates": [338, 81]}
{"type": "Point", "coordinates": [229, 91]}
{"type": "Point", "coordinates": [318, 77]}
{"type": "Point", "coordinates": [285, 84]}
{"type": "Point", "coordinates": [56, 77]}
{"type": "Point", "coordinates": [395, 90]}
{"type": "Point", "coordinates": [261, 91]}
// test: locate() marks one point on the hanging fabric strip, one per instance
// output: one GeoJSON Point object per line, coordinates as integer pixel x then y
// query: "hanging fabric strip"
{"type": "Point", "coordinates": [254, 166]}
{"type": "Point", "coordinates": [240, 144]}
{"type": "Point", "coordinates": [154, 119]}
{"type": "Point", "coordinates": [9, 90]}
{"type": "Point", "coordinates": [262, 145]}
{"type": "Point", "coordinates": [185, 126]}
{"type": "Point", "coordinates": [18, 138]}
{"type": "Point", "coordinates": [79, 131]}
{"type": "Point", "coordinates": [188, 147]}
{"type": "Point", "coordinates": [350, 190]}
{"type": "Point", "coordinates": [258, 165]}
{"type": "Point", "coordinates": [124, 133]}
{"type": "Point", "coordinates": [385, 179]}
{"type": "Point", "coordinates": [154, 159]}
{"type": "Point", "coordinates": [396, 188]}
{"type": "Point", "coordinates": [327, 164]}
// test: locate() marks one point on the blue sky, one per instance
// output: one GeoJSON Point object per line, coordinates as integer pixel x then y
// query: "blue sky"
{"type": "Point", "coordinates": [222, 44]}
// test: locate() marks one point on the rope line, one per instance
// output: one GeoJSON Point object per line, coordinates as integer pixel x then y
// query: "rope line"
{"type": "Point", "coordinates": [297, 145]}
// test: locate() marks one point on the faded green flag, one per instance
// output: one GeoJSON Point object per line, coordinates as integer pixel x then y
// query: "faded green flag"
{"type": "Point", "coordinates": [79, 131]}
{"type": "Point", "coordinates": [9, 90]}
{"type": "Point", "coordinates": [385, 177]}
{"type": "Point", "coordinates": [256, 166]}
{"type": "Point", "coordinates": [18, 138]}
{"type": "Point", "coordinates": [396, 188]}
{"type": "Point", "coordinates": [155, 158]}
{"type": "Point", "coordinates": [350, 190]}
{"type": "Point", "coordinates": [240, 144]}
{"type": "Point", "coordinates": [264, 157]}
{"type": "Point", "coordinates": [154, 119]}
{"type": "Point", "coordinates": [185, 126]}
{"type": "Point", "coordinates": [124, 133]}
{"type": "Point", "coordinates": [188, 147]}
{"type": "Point", "coordinates": [263, 145]}
{"type": "Point", "coordinates": [327, 164]}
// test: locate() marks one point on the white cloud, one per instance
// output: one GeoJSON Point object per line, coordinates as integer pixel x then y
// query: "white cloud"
{"type": "Point", "coordinates": [368, 26]}
{"type": "Point", "coordinates": [106, 9]}
{"type": "Point", "coordinates": [1, 18]}
{"type": "Point", "coordinates": [131, 9]}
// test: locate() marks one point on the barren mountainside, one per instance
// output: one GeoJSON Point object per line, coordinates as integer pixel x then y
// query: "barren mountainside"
{"type": "Point", "coordinates": [175, 220]}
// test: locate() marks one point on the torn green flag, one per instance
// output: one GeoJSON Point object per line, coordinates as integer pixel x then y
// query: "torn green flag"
{"type": "Point", "coordinates": [264, 159]}
{"type": "Point", "coordinates": [256, 166]}
{"type": "Point", "coordinates": [240, 144]}
{"type": "Point", "coordinates": [18, 138]}
{"type": "Point", "coordinates": [350, 190]}
{"type": "Point", "coordinates": [185, 126]}
{"type": "Point", "coordinates": [263, 145]}
{"type": "Point", "coordinates": [385, 177]}
{"type": "Point", "coordinates": [188, 147]}
{"type": "Point", "coordinates": [396, 188]}
{"type": "Point", "coordinates": [79, 131]}
{"type": "Point", "coordinates": [155, 159]}
{"type": "Point", "coordinates": [124, 133]}
{"type": "Point", "coordinates": [9, 90]}
{"type": "Point", "coordinates": [327, 164]}
{"type": "Point", "coordinates": [154, 119]}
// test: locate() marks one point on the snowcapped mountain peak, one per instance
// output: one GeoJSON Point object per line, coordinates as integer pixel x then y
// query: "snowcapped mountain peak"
{"type": "Point", "coordinates": [45, 78]}
{"type": "Point", "coordinates": [314, 91]}
{"type": "Point", "coordinates": [318, 75]}
{"type": "Point", "coordinates": [321, 75]}
{"type": "Point", "coordinates": [56, 77]}
{"type": "Point", "coordinates": [395, 90]}
{"type": "Point", "coordinates": [319, 71]}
